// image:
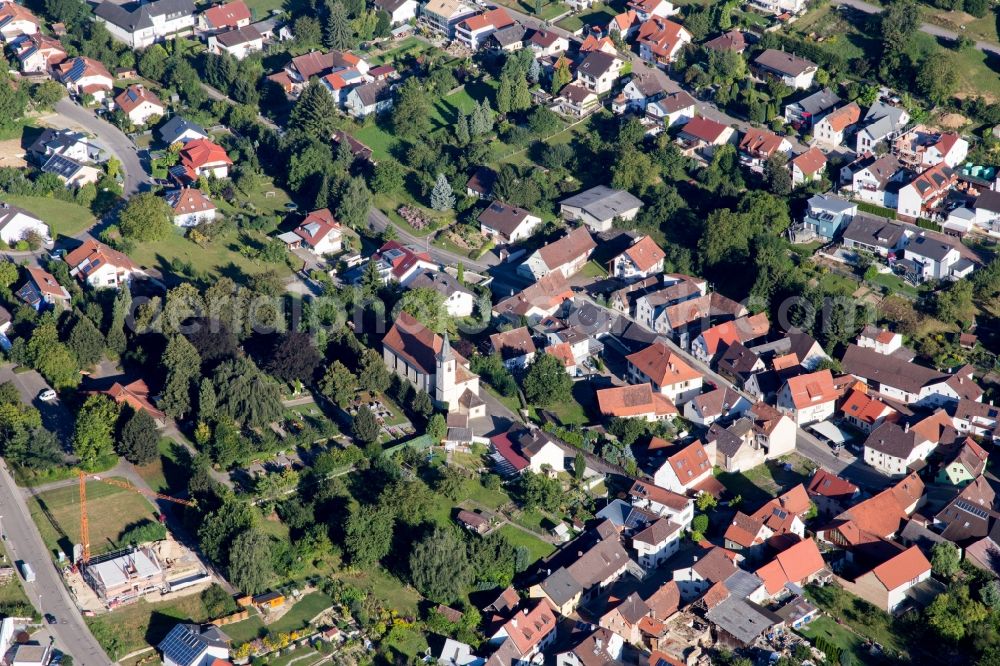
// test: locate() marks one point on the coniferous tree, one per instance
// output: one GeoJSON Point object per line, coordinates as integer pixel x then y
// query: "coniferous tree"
{"type": "Point", "coordinates": [505, 95]}
{"type": "Point", "coordinates": [116, 340]}
{"type": "Point", "coordinates": [314, 114]}
{"type": "Point", "coordinates": [338, 28]}
{"type": "Point", "coordinates": [462, 129]}
{"type": "Point", "coordinates": [534, 71]}
{"type": "Point", "coordinates": [442, 196]}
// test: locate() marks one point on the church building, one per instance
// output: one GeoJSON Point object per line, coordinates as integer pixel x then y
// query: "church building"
{"type": "Point", "coordinates": [427, 361]}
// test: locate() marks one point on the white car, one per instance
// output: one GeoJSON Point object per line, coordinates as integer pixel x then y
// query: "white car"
{"type": "Point", "coordinates": [48, 395]}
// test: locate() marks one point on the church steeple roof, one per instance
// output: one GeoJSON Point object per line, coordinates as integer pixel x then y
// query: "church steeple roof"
{"type": "Point", "coordinates": [445, 353]}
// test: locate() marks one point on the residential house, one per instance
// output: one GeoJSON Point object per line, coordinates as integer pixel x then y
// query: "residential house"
{"type": "Point", "coordinates": [763, 433]}
{"type": "Point", "coordinates": [358, 150]}
{"type": "Point", "coordinates": [443, 16]}
{"type": "Point", "coordinates": [881, 125]}
{"type": "Point", "coordinates": [966, 462]}
{"type": "Point", "coordinates": [657, 543]}
{"type": "Point", "coordinates": [594, 43]}
{"type": "Point", "coordinates": [16, 21]}
{"type": "Point", "coordinates": [193, 645]}
{"type": "Point", "coordinates": [977, 418]}
{"type": "Point", "coordinates": [882, 340]}
{"type": "Point", "coordinates": [17, 224]}
{"type": "Point", "coordinates": [827, 215]}
{"type": "Point", "coordinates": [341, 82]}
{"type": "Point", "coordinates": [399, 11]}
{"type": "Point", "coordinates": [137, 396]}
{"type": "Point", "coordinates": [99, 266]}
{"type": "Point", "coordinates": [712, 342]}
{"type": "Point", "coordinates": [875, 180]}
{"type": "Point", "coordinates": [672, 110]}
{"type": "Point", "coordinates": [985, 553]}
{"type": "Point", "coordinates": [685, 469]}
{"type": "Point", "coordinates": [795, 566]}
{"type": "Point", "coordinates": [190, 207]}
{"type": "Point", "coordinates": [139, 104]}
{"type": "Point", "coordinates": [724, 403]}
{"type": "Point", "coordinates": [396, 262]}
{"type": "Point", "coordinates": [624, 25]}
{"type": "Point", "coordinates": [599, 206]}
{"type": "Point", "coordinates": [635, 401]}
{"type": "Point", "coordinates": [795, 72]}
{"type": "Point", "coordinates": [85, 76]}
{"type": "Point", "coordinates": [894, 450]}
{"type": "Point", "coordinates": [878, 235]}
{"type": "Point", "coordinates": [937, 257]}
{"type": "Point", "coordinates": [527, 632]}
{"type": "Point", "coordinates": [141, 24]}
{"type": "Point", "coordinates": [779, 7]}
{"type": "Point", "coordinates": [877, 518]}
{"type": "Point", "coordinates": [547, 43]}
{"type": "Point", "coordinates": [42, 290]}
{"type": "Point", "coordinates": [809, 398]}
{"type": "Point", "coordinates": [702, 136]}
{"type": "Point", "coordinates": [738, 363]}
{"type": "Point", "coordinates": [315, 63]}
{"type": "Point", "coordinates": [660, 40]}
{"type": "Point", "coordinates": [739, 623]}
{"type": "Point", "coordinates": [577, 101]}
{"type": "Point", "coordinates": [967, 518]}
{"type": "Point", "coordinates": [987, 210]}
{"type": "Point", "coordinates": [599, 71]}
{"type": "Point", "coordinates": [867, 412]}
{"type": "Point", "coordinates": [37, 53]}
{"type": "Point", "coordinates": [796, 348]}
{"type": "Point", "coordinates": [833, 128]}
{"type": "Point", "coordinates": [480, 184]}
{"type": "Point", "coordinates": [666, 372]}
{"type": "Point", "coordinates": [508, 39]}
{"type": "Point", "coordinates": [734, 41]}
{"type": "Point", "coordinates": [647, 9]}
{"type": "Point", "coordinates": [369, 98]}
{"type": "Point", "coordinates": [535, 301]}
{"type": "Point", "coordinates": [641, 89]}
{"type": "Point", "coordinates": [507, 224]}
{"type": "Point", "coordinates": [805, 113]}
{"type": "Point", "coordinates": [925, 194]}
{"type": "Point", "coordinates": [705, 569]}
{"type": "Point", "coordinates": [808, 167]}
{"type": "Point", "coordinates": [238, 42]}
{"type": "Point", "coordinates": [459, 301]}
{"type": "Point", "coordinates": [600, 647]}
{"type": "Point", "coordinates": [567, 255]}
{"type": "Point", "coordinates": [921, 148]}
{"type": "Point", "coordinates": [202, 158]}
{"type": "Point", "coordinates": [909, 383]}
{"type": "Point", "coordinates": [668, 290]}
{"type": "Point", "coordinates": [71, 173]}
{"type": "Point", "coordinates": [886, 586]}
{"type": "Point", "coordinates": [427, 361]}
{"type": "Point", "coordinates": [624, 618]}
{"type": "Point", "coordinates": [180, 130]}
{"type": "Point", "coordinates": [515, 347]}
{"type": "Point", "coordinates": [640, 260]}
{"type": "Point", "coordinates": [222, 17]}
{"type": "Point", "coordinates": [321, 232]}
{"type": "Point", "coordinates": [759, 145]}
{"type": "Point", "coordinates": [830, 493]}
{"type": "Point", "coordinates": [664, 503]}
{"type": "Point", "coordinates": [582, 568]}
{"type": "Point", "coordinates": [475, 30]}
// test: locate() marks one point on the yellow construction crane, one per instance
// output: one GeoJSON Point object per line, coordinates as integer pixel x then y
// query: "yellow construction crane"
{"type": "Point", "coordinates": [85, 525]}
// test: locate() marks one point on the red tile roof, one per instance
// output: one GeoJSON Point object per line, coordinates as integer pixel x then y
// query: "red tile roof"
{"type": "Point", "coordinates": [867, 409]}
{"type": "Point", "coordinates": [46, 283]}
{"type": "Point", "coordinates": [136, 395]}
{"type": "Point", "coordinates": [228, 15]}
{"type": "Point", "coordinates": [843, 117]}
{"type": "Point", "coordinates": [316, 226]}
{"type": "Point", "coordinates": [902, 568]}
{"type": "Point", "coordinates": [527, 630]}
{"type": "Point", "coordinates": [496, 18]}
{"type": "Point", "coordinates": [199, 153]}
{"type": "Point", "coordinates": [662, 365]}
{"type": "Point", "coordinates": [97, 254]}
{"type": "Point", "coordinates": [645, 253]}
{"type": "Point", "coordinates": [634, 400]}
{"type": "Point", "coordinates": [690, 462]}
{"type": "Point", "coordinates": [810, 162]}
{"type": "Point", "coordinates": [826, 484]}
{"type": "Point", "coordinates": [761, 142]}
{"type": "Point", "coordinates": [794, 565]}
{"type": "Point", "coordinates": [705, 129]}
{"type": "Point", "coordinates": [663, 37]}
{"type": "Point", "coordinates": [647, 491]}
{"type": "Point", "coordinates": [189, 200]}
{"type": "Point", "coordinates": [814, 388]}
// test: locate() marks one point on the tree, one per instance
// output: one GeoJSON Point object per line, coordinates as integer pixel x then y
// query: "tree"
{"type": "Point", "coordinates": [632, 169]}
{"type": "Point", "coordinates": [183, 364]}
{"type": "Point", "coordinates": [221, 527]}
{"type": "Point", "coordinates": [315, 113]}
{"type": "Point", "coordinates": [383, 24]}
{"type": "Point", "coordinates": [462, 134]}
{"type": "Point", "coordinates": [945, 559]}
{"type": "Point", "coordinates": [364, 425]}
{"type": "Point", "coordinates": [13, 103]}
{"type": "Point", "coordinates": [990, 594]}
{"type": "Point", "coordinates": [699, 526]}
{"type": "Point", "coordinates": [410, 112]}
{"type": "Point", "coordinates": [45, 95]}
{"type": "Point", "coordinates": [85, 341]}
{"type": "Point", "coordinates": [338, 28]}
{"type": "Point", "coordinates": [954, 305]}
{"type": "Point", "coordinates": [938, 76]}
{"type": "Point", "coordinates": [146, 217]}
{"type": "Point", "coordinates": [442, 197]}
{"type": "Point", "coordinates": [954, 613]}
{"type": "Point", "coordinates": [777, 177]}
{"type": "Point", "coordinates": [368, 535]}
{"type": "Point", "coordinates": [339, 384]}
{"type": "Point", "coordinates": [505, 95]}
{"type": "Point", "coordinates": [250, 567]}
{"type": "Point", "coordinates": [308, 32]}
{"type": "Point", "coordinates": [208, 400]}
{"type": "Point", "coordinates": [293, 357]}
{"type": "Point", "coordinates": [93, 441]}
{"type": "Point", "coordinates": [137, 440]}
{"type": "Point", "coordinates": [547, 381]}
{"type": "Point", "coordinates": [439, 566]}
{"type": "Point", "coordinates": [437, 427]}
{"type": "Point", "coordinates": [8, 274]}
{"type": "Point", "coordinates": [372, 374]}
{"type": "Point", "coordinates": [427, 306]}
{"type": "Point", "coordinates": [422, 404]}
{"type": "Point", "coordinates": [217, 601]}
{"type": "Point", "coordinates": [388, 177]}
{"type": "Point", "coordinates": [561, 75]}
{"type": "Point", "coordinates": [355, 202]}
{"type": "Point", "coordinates": [539, 491]}
{"type": "Point", "coordinates": [705, 502]}
{"type": "Point", "coordinates": [579, 466]}
{"type": "Point", "coordinates": [245, 394]}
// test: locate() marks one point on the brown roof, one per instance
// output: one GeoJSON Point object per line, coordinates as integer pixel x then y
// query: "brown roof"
{"type": "Point", "coordinates": [903, 568]}
{"type": "Point", "coordinates": [633, 400]}
{"type": "Point", "coordinates": [665, 601]}
{"type": "Point", "coordinates": [658, 532]}
{"type": "Point", "coordinates": [528, 629]}
{"type": "Point", "coordinates": [130, 98]}
{"type": "Point", "coordinates": [570, 247]}
{"type": "Point", "coordinates": [472, 519]}
{"type": "Point", "coordinates": [761, 142]}
{"type": "Point", "coordinates": [645, 253]}
{"type": "Point", "coordinates": [662, 365]}
{"type": "Point", "coordinates": [189, 200]}
{"type": "Point", "coordinates": [826, 484]}
{"type": "Point", "coordinates": [513, 343]}
{"type": "Point", "coordinates": [717, 565]}
{"type": "Point", "coordinates": [705, 129]}
{"type": "Point", "coordinates": [46, 283]}
{"type": "Point", "coordinates": [632, 609]}
{"type": "Point", "coordinates": [502, 217]}
{"type": "Point", "coordinates": [413, 341]}
{"type": "Point", "coordinates": [653, 493]}
{"type": "Point", "coordinates": [784, 63]}
{"type": "Point", "coordinates": [744, 530]}
{"type": "Point", "coordinates": [227, 15]}
{"type": "Point", "coordinates": [730, 41]}
{"type": "Point", "coordinates": [545, 294]}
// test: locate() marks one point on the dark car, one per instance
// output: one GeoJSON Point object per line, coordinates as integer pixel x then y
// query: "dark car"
{"type": "Point", "coordinates": [50, 618]}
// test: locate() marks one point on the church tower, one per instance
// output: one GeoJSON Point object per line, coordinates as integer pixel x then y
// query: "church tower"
{"type": "Point", "coordinates": [444, 377]}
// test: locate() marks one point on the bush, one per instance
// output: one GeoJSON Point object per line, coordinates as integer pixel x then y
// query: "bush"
{"type": "Point", "coordinates": [143, 531]}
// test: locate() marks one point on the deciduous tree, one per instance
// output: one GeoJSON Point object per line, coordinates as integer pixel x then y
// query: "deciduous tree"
{"type": "Point", "coordinates": [439, 566]}
{"type": "Point", "coordinates": [339, 384]}
{"type": "Point", "coordinates": [93, 441]}
{"type": "Point", "coordinates": [368, 537]}
{"type": "Point", "coordinates": [250, 561]}
{"type": "Point", "coordinates": [547, 381]}
{"type": "Point", "coordinates": [137, 440]}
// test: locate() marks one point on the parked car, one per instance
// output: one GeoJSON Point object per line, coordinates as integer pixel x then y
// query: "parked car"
{"type": "Point", "coordinates": [48, 395]}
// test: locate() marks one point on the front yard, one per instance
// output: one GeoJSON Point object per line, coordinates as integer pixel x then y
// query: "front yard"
{"type": "Point", "coordinates": [756, 486]}
{"type": "Point", "coordinates": [143, 624]}
{"type": "Point", "coordinates": [63, 217]}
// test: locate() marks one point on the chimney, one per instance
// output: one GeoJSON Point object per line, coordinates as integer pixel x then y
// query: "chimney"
{"type": "Point", "coordinates": [906, 428]}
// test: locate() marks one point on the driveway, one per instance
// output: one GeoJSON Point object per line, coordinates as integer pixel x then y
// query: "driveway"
{"type": "Point", "coordinates": [55, 416]}
{"type": "Point", "coordinates": [111, 138]}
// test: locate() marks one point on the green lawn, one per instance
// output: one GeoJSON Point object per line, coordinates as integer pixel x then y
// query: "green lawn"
{"type": "Point", "coordinates": [895, 284]}
{"type": "Point", "coordinates": [142, 624]}
{"type": "Point", "coordinates": [16, 130]}
{"type": "Point", "coordinates": [757, 485]}
{"type": "Point", "coordinates": [110, 510]}
{"type": "Point", "coordinates": [245, 631]}
{"type": "Point", "coordinates": [550, 10]}
{"type": "Point", "coordinates": [384, 587]}
{"type": "Point", "coordinates": [859, 615]}
{"type": "Point", "coordinates": [598, 14]}
{"type": "Point", "coordinates": [592, 269]}
{"type": "Point", "coordinates": [411, 46]}
{"type": "Point", "coordinates": [838, 635]}
{"type": "Point", "coordinates": [980, 29]}
{"type": "Point", "coordinates": [170, 472]}
{"type": "Point", "coordinates": [444, 112]}
{"type": "Point", "coordinates": [262, 8]}
{"type": "Point", "coordinates": [837, 285]}
{"type": "Point", "coordinates": [302, 612]}
{"type": "Point", "coordinates": [64, 218]}
{"type": "Point", "coordinates": [535, 546]}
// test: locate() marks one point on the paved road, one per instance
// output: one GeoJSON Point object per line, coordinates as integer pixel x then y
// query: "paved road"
{"type": "Point", "coordinates": [929, 28]}
{"type": "Point", "coordinates": [47, 593]}
{"type": "Point", "coordinates": [111, 138]}
{"type": "Point", "coordinates": [29, 384]}
{"type": "Point", "coordinates": [378, 221]}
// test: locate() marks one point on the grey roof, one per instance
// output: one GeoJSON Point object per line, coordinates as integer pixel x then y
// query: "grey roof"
{"type": "Point", "coordinates": [738, 359]}
{"type": "Point", "coordinates": [818, 102]}
{"type": "Point", "coordinates": [785, 63]}
{"type": "Point", "coordinates": [512, 34]}
{"type": "Point", "coordinates": [877, 231]}
{"type": "Point", "coordinates": [603, 202]}
{"type": "Point", "coordinates": [61, 166]}
{"type": "Point", "coordinates": [597, 64]}
{"type": "Point", "coordinates": [830, 203]}
{"type": "Point", "coordinates": [883, 110]}
{"type": "Point", "coordinates": [186, 642]}
{"type": "Point", "coordinates": [676, 101]}
{"type": "Point", "coordinates": [889, 370]}
{"type": "Point", "coordinates": [134, 16]}
{"type": "Point", "coordinates": [743, 620]}
{"type": "Point", "coordinates": [892, 440]}
{"type": "Point", "coordinates": [989, 200]}
{"type": "Point", "coordinates": [932, 248]}
{"type": "Point", "coordinates": [176, 126]}
{"type": "Point", "coordinates": [370, 93]}
{"type": "Point", "coordinates": [560, 586]}
{"type": "Point", "coordinates": [238, 36]}
{"type": "Point", "coordinates": [743, 583]}
{"type": "Point", "coordinates": [617, 512]}
{"type": "Point", "coordinates": [647, 84]}
{"type": "Point", "coordinates": [9, 211]}
{"type": "Point", "coordinates": [439, 281]}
